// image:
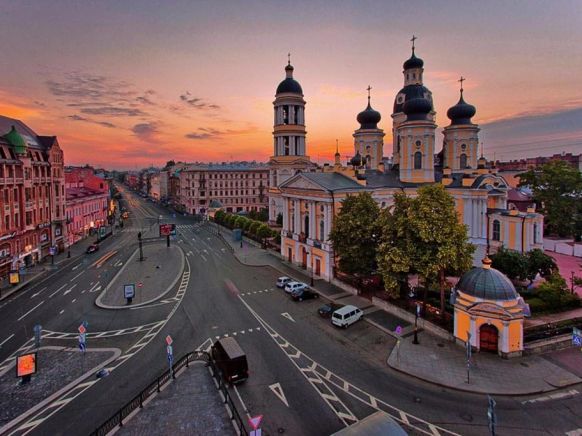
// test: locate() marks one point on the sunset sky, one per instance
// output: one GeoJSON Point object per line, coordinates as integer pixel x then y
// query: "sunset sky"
{"type": "Point", "coordinates": [126, 84]}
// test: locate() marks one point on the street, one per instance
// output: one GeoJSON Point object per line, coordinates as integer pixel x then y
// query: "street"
{"type": "Point", "coordinates": [306, 377]}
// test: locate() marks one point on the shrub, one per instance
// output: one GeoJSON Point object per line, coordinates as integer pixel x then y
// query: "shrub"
{"type": "Point", "coordinates": [555, 294]}
{"type": "Point", "coordinates": [254, 227]}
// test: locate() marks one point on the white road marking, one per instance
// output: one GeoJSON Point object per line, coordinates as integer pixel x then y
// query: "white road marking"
{"type": "Point", "coordinates": [70, 289]}
{"type": "Point", "coordinates": [7, 339]}
{"type": "Point", "coordinates": [30, 310]}
{"type": "Point", "coordinates": [77, 276]}
{"type": "Point", "coordinates": [577, 432]}
{"type": "Point", "coordinates": [75, 267]}
{"type": "Point", "coordinates": [202, 256]}
{"type": "Point", "coordinates": [286, 315]}
{"type": "Point", "coordinates": [61, 312]}
{"type": "Point", "coordinates": [34, 295]}
{"type": "Point", "coordinates": [57, 291]}
{"type": "Point", "coordinates": [74, 299]}
{"type": "Point", "coordinates": [95, 288]}
{"type": "Point", "coordinates": [242, 402]}
{"type": "Point", "coordinates": [556, 396]}
{"type": "Point", "coordinates": [278, 391]}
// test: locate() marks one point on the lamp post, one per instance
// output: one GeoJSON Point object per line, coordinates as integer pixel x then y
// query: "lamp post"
{"type": "Point", "coordinates": [416, 314]}
{"type": "Point", "coordinates": [140, 247]}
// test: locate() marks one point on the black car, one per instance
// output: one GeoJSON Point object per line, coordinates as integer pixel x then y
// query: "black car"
{"type": "Point", "coordinates": [326, 310]}
{"type": "Point", "coordinates": [304, 294]}
{"type": "Point", "coordinates": [92, 248]}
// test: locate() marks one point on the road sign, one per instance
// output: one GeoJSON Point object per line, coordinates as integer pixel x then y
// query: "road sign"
{"type": "Point", "coordinates": [491, 417]}
{"type": "Point", "coordinates": [129, 290]}
{"type": "Point", "coordinates": [82, 329]}
{"type": "Point", "coordinates": [577, 337]}
{"type": "Point", "coordinates": [26, 365]}
{"type": "Point", "coordinates": [166, 229]}
{"type": "Point", "coordinates": [140, 284]}
{"type": "Point", "coordinates": [255, 421]}
{"type": "Point", "coordinates": [169, 340]}
{"type": "Point", "coordinates": [52, 250]}
{"type": "Point", "coordinates": [257, 432]}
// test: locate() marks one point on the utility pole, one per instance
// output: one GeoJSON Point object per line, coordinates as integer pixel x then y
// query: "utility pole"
{"type": "Point", "coordinates": [140, 247]}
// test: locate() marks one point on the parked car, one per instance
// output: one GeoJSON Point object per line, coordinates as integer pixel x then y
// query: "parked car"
{"type": "Point", "coordinates": [291, 287]}
{"type": "Point", "coordinates": [282, 281]}
{"type": "Point", "coordinates": [326, 310]}
{"type": "Point", "coordinates": [346, 316]}
{"type": "Point", "coordinates": [304, 294]}
{"type": "Point", "coordinates": [92, 248]}
{"type": "Point", "coordinates": [230, 359]}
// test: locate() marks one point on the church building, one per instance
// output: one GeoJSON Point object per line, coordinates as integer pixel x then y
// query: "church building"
{"type": "Point", "coordinates": [309, 199]}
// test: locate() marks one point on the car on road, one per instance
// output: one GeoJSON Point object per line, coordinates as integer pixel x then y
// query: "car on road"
{"type": "Point", "coordinates": [304, 294]}
{"type": "Point", "coordinates": [282, 281]}
{"type": "Point", "coordinates": [326, 310]}
{"type": "Point", "coordinates": [230, 359]}
{"type": "Point", "coordinates": [92, 248]}
{"type": "Point", "coordinates": [291, 287]}
{"type": "Point", "coordinates": [346, 316]}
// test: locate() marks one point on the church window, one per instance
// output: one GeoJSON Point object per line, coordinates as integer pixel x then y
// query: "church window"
{"type": "Point", "coordinates": [535, 233]}
{"type": "Point", "coordinates": [321, 230]}
{"type": "Point", "coordinates": [463, 161]}
{"type": "Point", "coordinates": [286, 142]}
{"type": "Point", "coordinates": [496, 230]}
{"type": "Point", "coordinates": [463, 147]}
{"type": "Point", "coordinates": [285, 114]}
{"type": "Point", "coordinates": [306, 229]}
{"type": "Point", "coordinates": [418, 144]}
{"type": "Point", "coordinates": [418, 160]}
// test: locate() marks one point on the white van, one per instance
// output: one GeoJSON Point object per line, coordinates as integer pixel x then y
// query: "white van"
{"type": "Point", "coordinates": [346, 315]}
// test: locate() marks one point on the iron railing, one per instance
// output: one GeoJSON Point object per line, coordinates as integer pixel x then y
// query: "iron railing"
{"type": "Point", "coordinates": [137, 402]}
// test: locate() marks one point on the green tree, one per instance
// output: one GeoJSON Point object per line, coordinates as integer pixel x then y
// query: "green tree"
{"type": "Point", "coordinates": [511, 263]}
{"type": "Point", "coordinates": [355, 234]}
{"type": "Point", "coordinates": [539, 262]}
{"type": "Point", "coordinates": [263, 215]}
{"type": "Point", "coordinates": [555, 293]}
{"type": "Point", "coordinates": [263, 232]}
{"type": "Point", "coordinates": [254, 227]}
{"type": "Point", "coordinates": [557, 190]}
{"type": "Point", "coordinates": [219, 216]}
{"type": "Point", "coordinates": [239, 222]}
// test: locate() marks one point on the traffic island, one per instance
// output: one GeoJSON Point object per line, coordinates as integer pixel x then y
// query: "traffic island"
{"type": "Point", "coordinates": [139, 283]}
{"type": "Point", "coordinates": [57, 370]}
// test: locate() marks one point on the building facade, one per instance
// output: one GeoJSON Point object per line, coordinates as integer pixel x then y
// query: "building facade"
{"type": "Point", "coordinates": [32, 197]}
{"type": "Point", "coordinates": [312, 200]}
{"type": "Point", "coordinates": [87, 208]}
{"type": "Point", "coordinates": [234, 187]}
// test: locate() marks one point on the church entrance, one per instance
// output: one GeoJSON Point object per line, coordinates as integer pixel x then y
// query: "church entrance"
{"type": "Point", "coordinates": [488, 338]}
{"type": "Point", "coordinates": [317, 267]}
{"type": "Point", "coordinates": [290, 254]}
{"type": "Point", "coordinates": [304, 257]}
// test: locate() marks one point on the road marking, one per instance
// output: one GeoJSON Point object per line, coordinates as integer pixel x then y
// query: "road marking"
{"type": "Point", "coordinates": [7, 339]}
{"type": "Point", "coordinates": [77, 276]}
{"type": "Point", "coordinates": [70, 289]}
{"type": "Point", "coordinates": [75, 267]}
{"type": "Point", "coordinates": [577, 432]}
{"type": "Point", "coordinates": [74, 299]}
{"type": "Point", "coordinates": [95, 288]}
{"type": "Point", "coordinates": [61, 312]}
{"type": "Point", "coordinates": [34, 295]}
{"type": "Point", "coordinates": [30, 310]}
{"type": "Point", "coordinates": [286, 315]}
{"type": "Point", "coordinates": [278, 391]}
{"type": "Point", "coordinates": [242, 402]}
{"type": "Point", "coordinates": [57, 291]}
{"type": "Point", "coordinates": [556, 396]}
{"type": "Point", "coordinates": [202, 256]}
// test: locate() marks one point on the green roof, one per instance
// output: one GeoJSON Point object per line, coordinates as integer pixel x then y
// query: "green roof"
{"type": "Point", "coordinates": [16, 140]}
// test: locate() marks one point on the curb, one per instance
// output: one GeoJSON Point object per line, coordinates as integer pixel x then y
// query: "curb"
{"type": "Point", "coordinates": [101, 305]}
{"type": "Point", "coordinates": [20, 418]}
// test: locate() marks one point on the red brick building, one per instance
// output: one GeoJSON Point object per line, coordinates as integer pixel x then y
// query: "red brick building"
{"type": "Point", "coordinates": [32, 195]}
{"type": "Point", "coordinates": [535, 162]}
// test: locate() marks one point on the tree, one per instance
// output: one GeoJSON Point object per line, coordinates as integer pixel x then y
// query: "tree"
{"type": "Point", "coordinates": [557, 191]}
{"type": "Point", "coordinates": [219, 216]}
{"type": "Point", "coordinates": [539, 262]}
{"type": "Point", "coordinates": [511, 263]}
{"type": "Point", "coordinates": [263, 215]}
{"type": "Point", "coordinates": [555, 293]}
{"type": "Point", "coordinates": [263, 232]}
{"type": "Point", "coordinates": [169, 164]}
{"type": "Point", "coordinates": [254, 227]}
{"type": "Point", "coordinates": [355, 234]}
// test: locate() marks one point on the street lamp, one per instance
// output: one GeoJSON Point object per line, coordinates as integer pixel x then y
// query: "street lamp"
{"type": "Point", "coordinates": [416, 314]}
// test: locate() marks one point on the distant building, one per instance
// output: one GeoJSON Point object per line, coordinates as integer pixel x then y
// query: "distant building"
{"type": "Point", "coordinates": [237, 187]}
{"type": "Point", "coordinates": [87, 202]}
{"type": "Point", "coordinates": [535, 162]}
{"type": "Point", "coordinates": [32, 195]}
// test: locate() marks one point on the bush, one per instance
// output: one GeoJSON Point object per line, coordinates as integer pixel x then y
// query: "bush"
{"type": "Point", "coordinates": [254, 227]}
{"type": "Point", "coordinates": [247, 223]}
{"type": "Point", "coordinates": [238, 222]}
{"type": "Point", "coordinates": [555, 294]}
{"type": "Point", "coordinates": [536, 305]}
{"type": "Point", "coordinates": [219, 216]}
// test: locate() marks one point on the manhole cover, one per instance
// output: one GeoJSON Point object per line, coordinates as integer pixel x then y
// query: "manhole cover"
{"type": "Point", "coordinates": [440, 345]}
{"type": "Point", "coordinates": [524, 364]}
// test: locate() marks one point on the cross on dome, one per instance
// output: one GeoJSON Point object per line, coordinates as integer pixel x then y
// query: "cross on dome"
{"type": "Point", "coordinates": [369, 88]}
{"type": "Point", "coordinates": [461, 80]}
{"type": "Point", "coordinates": [289, 58]}
{"type": "Point", "coordinates": [414, 38]}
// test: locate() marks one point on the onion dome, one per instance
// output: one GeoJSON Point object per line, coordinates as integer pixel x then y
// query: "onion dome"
{"type": "Point", "coordinates": [417, 109]}
{"type": "Point", "coordinates": [358, 160]}
{"type": "Point", "coordinates": [413, 62]}
{"type": "Point", "coordinates": [369, 118]}
{"type": "Point", "coordinates": [487, 283]}
{"type": "Point", "coordinates": [461, 113]}
{"type": "Point", "coordinates": [16, 140]}
{"type": "Point", "coordinates": [289, 85]}
{"type": "Point", "coordinates": [408, 93]}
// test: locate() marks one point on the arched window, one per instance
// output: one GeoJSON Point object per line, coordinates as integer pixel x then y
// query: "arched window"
{"type": "Point", "coordinates": [535, 233]}
{"type": "Point", "coordinates": [286, 142]}
{"type": "Point", "coordinates": [463, 161]}
{"type": "Point", "coordinates": [418, 160]}
{"type": "Point", "coordinates": [307, 226]}
{"type": "Point", "coordinates": [496, 230]}
{"type": "Point", "coordinates": [321, 230]}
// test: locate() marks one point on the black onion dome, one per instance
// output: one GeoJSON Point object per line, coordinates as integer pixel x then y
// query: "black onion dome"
{"type": "Point", "coordinates": [487, 283]}
{"type": "Point", "coordinates": [369, 118]}
{"type": "Point", "coordinates": [413, 62]}
{"type": "Point", "coordinates": [461, 113]}
{"type": "Point", "coordinates": [417, 109]}
{"type": "Point", "coordinates": [408, 93]}
{"type": "Point", "coordinates": [358, 160]}
{"type": "Point", "coordinates": [289, 85]}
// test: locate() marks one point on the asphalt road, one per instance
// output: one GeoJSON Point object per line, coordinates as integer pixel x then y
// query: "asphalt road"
{"type": "Point", "coordinates": [328, 377]}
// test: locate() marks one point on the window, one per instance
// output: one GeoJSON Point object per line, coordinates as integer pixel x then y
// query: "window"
{"type": "Point", "coordinates": [321, 230]}
{"type": "Point", "coordinates": [286, 142]}
{"type": "Point", "coordinates": [463, 161]}
{"type": "Point", "coordinates": [535, 233]}
{"type": "Point", "coordinates": [496, 230]}
{"type": "Point", "coordinates": [418, 160]}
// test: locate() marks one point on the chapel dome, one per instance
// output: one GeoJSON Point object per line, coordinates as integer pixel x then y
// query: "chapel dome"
{"type": "Point", "coordinates": [461, 113]}
{"type": "Point", "coordinates": [289, 85]}
{"type": "Point", "coordinates": [487, 283]}
{"type": "Point", "coordinates": [369, 118]}
{"type": "Point", "coordinates": [417, 109]}
{"type": "Point", "coordinates": [413, 62]}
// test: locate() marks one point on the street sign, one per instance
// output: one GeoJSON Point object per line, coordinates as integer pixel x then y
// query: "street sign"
{"type": "Point", "coordinates": [129, 290]}
{"type": "Point", "coordinates": [169, 340]}
{"type": "Point", "coordinates": [140, 284]}
{"type": "Point", "coordinates": [82, 346]}
{"type": "Point", "coordinates": [52, 250]}
{"type": "Point", "coordinates": [255, 421]}
{"type": "Point", "coordinates": [26, 365]}
{"type": "Point", "coordinates": [257, 432]}
{"type": "Point", "coordinates": [14, 277]}
{"type": "Point", "coordinates": [82, 329]}
{"type": "Point", "coordinates": [166, 229]}
{"type": "Point", "coordinates": [491, 417]}
{"type": "Point", "coordinates": [577, 337]}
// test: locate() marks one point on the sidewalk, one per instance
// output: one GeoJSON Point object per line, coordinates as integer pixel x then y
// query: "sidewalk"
{"type": "Point", "coordinates": [553, 318]}
{"type": "Point", "coordinates": [435, 360]}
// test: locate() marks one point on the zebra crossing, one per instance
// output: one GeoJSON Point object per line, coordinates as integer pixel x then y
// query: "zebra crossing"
{"type": "Point", "coordinates": [48, 334]}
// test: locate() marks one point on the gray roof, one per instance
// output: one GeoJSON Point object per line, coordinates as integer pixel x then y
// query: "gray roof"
{"type": "Point", "coordinates": [332, 181]}
{"type": "Point", "coordinates": [487, 283]}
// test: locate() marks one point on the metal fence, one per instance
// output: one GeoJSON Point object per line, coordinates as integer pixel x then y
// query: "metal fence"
{"type": "Point", "coordinates": [137, 402]}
